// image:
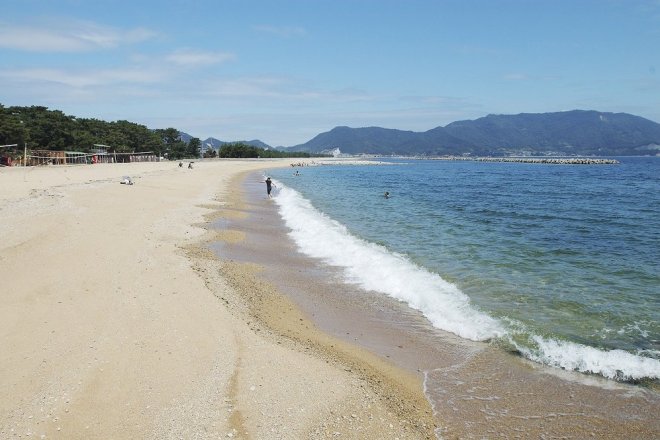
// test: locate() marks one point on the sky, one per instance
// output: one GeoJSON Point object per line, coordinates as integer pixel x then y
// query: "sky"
{"type": "Point", "coordinates": [283, 71]}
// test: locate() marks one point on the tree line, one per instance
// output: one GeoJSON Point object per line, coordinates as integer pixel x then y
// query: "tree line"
{"type": "Point", "coordinates": [42, 129]}
{"type": "Point", "coordinates": [243, 150]}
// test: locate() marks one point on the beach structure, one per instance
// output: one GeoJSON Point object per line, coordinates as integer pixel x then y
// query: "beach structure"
{"type": "Point", "coordinates": [53, 157]}
{"type": "Point", "coordinates": [99, 155]}
{"type": "Point", "coordinates": [46, 157]}
{"type": "Point", "coordinates": [5, 158]}
{"type": "Point", "coordinates": [539, 160]}
{"type": "Point", "coordinates": [146, 156]}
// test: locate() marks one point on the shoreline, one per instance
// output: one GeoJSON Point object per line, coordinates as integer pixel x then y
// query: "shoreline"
{"type": "Point", "coordinates": [274, 313]}
{"type": "Point", "coordinates": [117, 323]}
{"type": "Point", "coordinates": [476, 389]}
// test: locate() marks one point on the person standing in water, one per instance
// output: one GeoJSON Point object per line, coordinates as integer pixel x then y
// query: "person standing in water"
{"type": "Point", "coordinates": [269, 186]}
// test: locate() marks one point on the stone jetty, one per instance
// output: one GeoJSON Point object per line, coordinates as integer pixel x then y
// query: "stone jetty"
{"type": "Point", "coordinates": [543, 160]}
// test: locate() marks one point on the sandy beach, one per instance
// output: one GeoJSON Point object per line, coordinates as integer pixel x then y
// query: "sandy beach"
{"type": "Point", "coordinates": [118, 322]}
{"type": "Point", "coordinates": [177, 308]}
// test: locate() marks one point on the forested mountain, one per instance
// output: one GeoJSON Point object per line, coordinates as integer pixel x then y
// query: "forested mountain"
{"type": "Point", "coordinates": [376, 140]}
{"type": "Point", "coordinates": [583, 132]}
{"type": "Point", "coordinates": [217, 144]}
{"type": "Point", "coordinates": [575, 132]}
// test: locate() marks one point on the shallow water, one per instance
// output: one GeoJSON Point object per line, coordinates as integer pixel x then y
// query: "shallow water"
{"type": "Point", "coordinates": [477, 390]}
{"type": "Point", "coordinates": [559, 262]}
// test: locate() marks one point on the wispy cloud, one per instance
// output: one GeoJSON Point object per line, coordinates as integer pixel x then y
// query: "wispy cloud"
{"type": "Point", "coordinates": [242, 87]}
{"type": "Point", "coordinates": [278, 89]}
{"type": "Point", "coordinates": [83, 79]}
{"type": "Point", "coordinates": [197, 58]}
{"type": "Point", "coordinates": [68, 36]}
{"type": "Point", "coordinates": [282, 31]}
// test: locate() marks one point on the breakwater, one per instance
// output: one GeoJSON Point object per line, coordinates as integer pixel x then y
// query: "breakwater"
{"type": "Point", "coordinates": [543, 160]}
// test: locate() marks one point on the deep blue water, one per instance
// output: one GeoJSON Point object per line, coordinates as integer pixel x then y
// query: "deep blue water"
{"type": "Point", "coordinates": [560, 262]}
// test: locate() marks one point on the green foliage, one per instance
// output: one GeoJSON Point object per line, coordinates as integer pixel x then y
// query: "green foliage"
{"type": "Point", "coordinates": [47, 129]}
{"type": "Point", "coordinates": [210, 153]}
{"type": "Point", "coordinates": [12, 129]}
{"type": "Point", "coordinates": [193, 148]}
{"type": "Point", "coordinates": [172, 146]}
{"type": "Point", "coordinates": [243, 150]}
{"type": "Point", "coordinates": [239, 150]}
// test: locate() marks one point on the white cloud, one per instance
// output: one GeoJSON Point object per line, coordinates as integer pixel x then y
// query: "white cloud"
{"type": "Point", "coordinates": [68, 36]}
{"type": "Point", "coordinates": [83, 79]}
{"type": "Point", "coordinates": [282, 31]}
{"type": "Point", "coordinates": [279, 90]}
{"type": "Point", "coordinates": [197, 58]}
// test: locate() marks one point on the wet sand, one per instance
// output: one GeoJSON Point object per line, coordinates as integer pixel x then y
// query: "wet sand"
{"type": "Point", "coordinates": [476, 390]}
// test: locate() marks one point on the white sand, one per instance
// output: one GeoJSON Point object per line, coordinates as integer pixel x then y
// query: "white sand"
{"type": "Point", "coordinates": [109, 330]}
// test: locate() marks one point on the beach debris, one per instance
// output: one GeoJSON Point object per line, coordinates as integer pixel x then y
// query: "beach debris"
{"type": "Point", "coordinates": [126, 180]}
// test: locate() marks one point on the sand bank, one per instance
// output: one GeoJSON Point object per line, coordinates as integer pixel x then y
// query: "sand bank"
{"type": "Point", "coordinates": [116, 322]}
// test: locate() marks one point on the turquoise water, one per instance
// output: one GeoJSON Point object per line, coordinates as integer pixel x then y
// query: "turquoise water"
{"type": "Point", "coordinates": [558, 262]}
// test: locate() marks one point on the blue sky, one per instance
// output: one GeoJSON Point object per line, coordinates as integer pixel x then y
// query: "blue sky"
{"type": "Point", "coordinates": [284, 71]}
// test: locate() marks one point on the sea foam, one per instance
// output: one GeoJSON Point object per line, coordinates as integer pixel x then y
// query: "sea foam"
{"type": "Point", "coordinates": [374, 268]}
{"type": "Point", "coordinates": [613, 364]}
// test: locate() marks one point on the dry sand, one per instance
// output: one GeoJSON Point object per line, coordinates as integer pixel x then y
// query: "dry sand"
{"type": "Point", "coordinates": [116, 322]}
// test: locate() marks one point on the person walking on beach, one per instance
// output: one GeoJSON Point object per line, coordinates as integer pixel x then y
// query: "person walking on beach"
{"type": "Point", "coordinates": [269, 186]}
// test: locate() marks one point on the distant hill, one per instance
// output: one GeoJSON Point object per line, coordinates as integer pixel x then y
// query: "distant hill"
{"type": "Point", "coordinates": [376, 140]}
{"type": "Point", "coordinates": [257, 143]}
{"type": "Point", "coordinates": [213, 143]}
{"type": "Point", "coordinates": [185, 137]}
{"type": "Point", "coordinates": [577, 132]}
{"type": "Point", "coordinates": [216, 144]}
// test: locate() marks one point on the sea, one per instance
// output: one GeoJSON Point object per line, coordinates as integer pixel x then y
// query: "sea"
{"type": "Point", "coordinates": [557, 263]}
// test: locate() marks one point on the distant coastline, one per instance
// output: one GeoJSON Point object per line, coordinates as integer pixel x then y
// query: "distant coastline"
{"type": "Point", "coordinates": [555, 160]}
{"type": "Point", "coordinates": [541, 160]}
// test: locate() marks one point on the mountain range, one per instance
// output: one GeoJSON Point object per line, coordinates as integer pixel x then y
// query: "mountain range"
{"type": "Point", "coordinates": [576, 132]}
{"type": "Point", "coordinates": [216, 144]}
